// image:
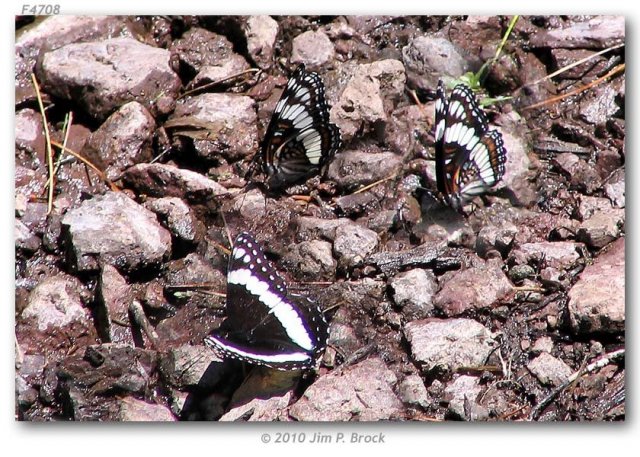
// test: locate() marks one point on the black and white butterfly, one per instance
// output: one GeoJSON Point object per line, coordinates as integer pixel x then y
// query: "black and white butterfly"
{"type": "Point", "coordinates": [470, 158]}
{"type": "Point", "coordinates": [266, 325]}
{"type": "Point", "coordinates": [299, 140]}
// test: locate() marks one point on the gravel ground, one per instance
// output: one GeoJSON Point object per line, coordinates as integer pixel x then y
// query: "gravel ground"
{"type": "Point", "coordinates": [514, 311]}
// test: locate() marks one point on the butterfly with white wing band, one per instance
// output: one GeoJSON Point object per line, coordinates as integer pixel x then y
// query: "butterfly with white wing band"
{"type": "Point", "coordinates": [266, 325]}
{"type": "Point", "coordinates": [300, 139]}
{"type": "Point", "coordinates": [470, 158]}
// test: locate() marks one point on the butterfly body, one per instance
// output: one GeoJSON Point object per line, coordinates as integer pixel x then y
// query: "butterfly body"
{"type": "Point", "coordinates": [470, 158]}
{"type": "Point", "coordinates": [300, 139]}
{"type": "Point", "coordinates": [265, 324]}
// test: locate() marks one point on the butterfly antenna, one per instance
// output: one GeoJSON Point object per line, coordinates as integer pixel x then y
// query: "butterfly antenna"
{"type": "Point", "coordinates": [226, 228]}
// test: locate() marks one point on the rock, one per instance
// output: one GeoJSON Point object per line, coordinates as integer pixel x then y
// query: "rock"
{"type": "Point", "coordinates": [218, 73]}
{"type": "Point", "coordinates": [614, 189]}
{"type": "Point", "coordinates": [314, 49]}
{"type": "Point", "coordinates": [591, 205]}
{"type": "Point", "coordinates": [428, 59]}
{"type": "Point", "coordinates": [555, 254]}
{"type": "Point", "coordinates": [58, 302]}
{"type": "Point", "coordinates": [583, 175]}
{"type": "Point", "coordinates": [564, 58]}
{"type": "Point", "coordinates": [350, 169]}
{"type": "Point", "coordinates": [368, 96]}
{"type": "Point", "coordinates": [124, 139]}
{"type": "Point", "coordinates": [414, 291]}
{"type": "Point", "coordinates": [549, 370]}
{"type": "Point", "coordinates": [178, 217]}
{"type": "Point", "coordinates": [599, 105]}
{"type": "Point", "coordinates": [602, 228]}
{"type": "Point", "coordinates": [189, 367]}
{"type": "Point", "coordinates": [542, 344]}
{"type": "Point", "coordinates": [445, 345]}
{"type": "Point", "coordinates": [269, 409]}
{"type": "Point", "coordinates": [199, 48]}
{"type": "Point", "coordinates": [597, 299]}
{"type": "Point", "coordinates": [498, 238]}
{"type": "Point", "coordinates": [134, 410]}
{"type": "Point", "coordinates": [309, 228]}
{"type": "Point", "coordinates": [29, 134]}
{"type": "Point", "coordinates": [413, 392]}
{"type": "Point", "coordinates": [25, 240]}
{"type": "Point", "coordinates": [595, 32]}
{"type": "Point", "coordinates": [53, 32]}
{"type": "Point", "coordinates": [114, 298]}
{"type": "Point", "coordinates": [462, 395]}
{"type": "Point", "coordinates": [353, 243]}
{"type": "Point", "coordinates": [425, 255]}
{"type": "Point", "coordinates": [519, 273]}
{"type": "Point", "coordinates": [517, 167]}
{"type": "Point", "coordinates": [114, 229]}
{"type": "Point", "coordinates": [313, 259]}
{"type": "Point", "coordinates": [477, 287]}
{"type": "Point", "coordinates": [229, 122]}
{"type": "Point", "coordinates": [103, 75]}
{"type": "Point", "coordinates": [260, 33]}
{"type": "Point", "coordinates": [362, 392]}
{"type": "Point", "coordinates": [160, 180]}
{"type": "Point", "coordinates": [25, 394]}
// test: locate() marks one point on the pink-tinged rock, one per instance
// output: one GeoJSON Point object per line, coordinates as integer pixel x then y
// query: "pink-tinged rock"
{"type": "Point", "coordinates": [556, 254]}
{"type": "Point", "coordinates": [362, 392]}
{"type": "Point", "coordinates": [597, 300]}
{"type": "Point", "coordinates": [313, 49]}
{"type": "Point", "coordinates": [261, 32]}
{"type": "Point", "coordinates": [134, 410]}
{"type": "Point", "coordinates": [474, 288]}
{"type": "Point", "coordinates": [549, 370]}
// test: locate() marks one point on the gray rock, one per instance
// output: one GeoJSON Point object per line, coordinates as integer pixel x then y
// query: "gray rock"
{"type": "Point", "coordinates": [428, 59]}
{"type": "Point", "coordinates": [160, 180]}
{"type": "Point", "coordinates": [250, 205]}
{"type": "Point", "coordinates": [427, 254]}
{"type": "Point", "coordinates": [445, 345]}
{"type": "Point", "coordinates": [353, 243]}
{"type": "Point", "coordinates": [498, 238]}
{"type": "Point", "coordinates": [114, 298]}
{"type": "Point", "coordinates": [259, 410]}
{"type": "Point", "coordinates": [413, 392]}
{"type": "Point", "coordinates": [25, 394]}
{"type": "Point", "coordinates": [178, 218]}
{"type": "Point", "coordinates": [362, 392]}
{"type": "Point", "coordinates": [353, 168]}
{"type": "Point", "coordinates": [312, 48]}
{"type": "Point", "coordinates": [103, 75]}
{"type": "Point", "coordinates": [123, 140]}
{"type": "Point", "coordinates": [114, 229]}
{"type": "Point", "coordinates": [476, 287]}
{"type": "Point", "coordinates": [228, 121]}
{"type": "Point", "coordinates": [596, 32]}
{"type": "Point", "coordinates": [25, 240]}
{"type": "Point", "coordinates": [549, 370]}
{"type": "Point", "coordinates": [462, 394]}
{"type": "Point", "coordinates": [602, 228]}
{"type": "Point", "coordinates": [134, 410]}
{"type": "Point", "coordinates": [313, 259]}
{"type": "Point", "coordinates": [363, 98]}
{"type": "Point", "coordinates": [555, 254]}
{"type": "Point", "coordinates": [187, 366]}
{"type": "Point", "coordinates": [309, 228]}
{"type": "Point", "coordinates": [414, 291]}
{"type": "Point", "coordinates": [260, 33]}
{"type": "Point", "coordinates": [58, 302]}
{"type": "Point", "coordinates": [597, 299]}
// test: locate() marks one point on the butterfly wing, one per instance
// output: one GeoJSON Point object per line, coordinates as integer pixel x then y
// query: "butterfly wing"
{"type": "Point", "coordinates": [469, 157]}
{"type": "Point", "coordinates": [300, 139]}
{"type": "Point", "coordinates": [263, 325]}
